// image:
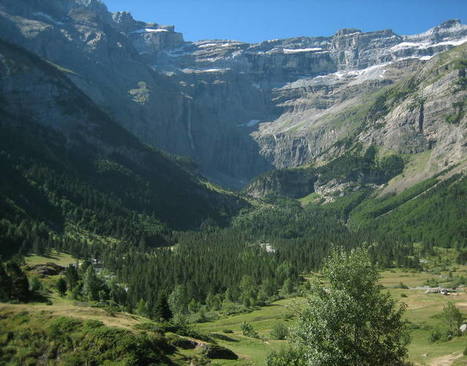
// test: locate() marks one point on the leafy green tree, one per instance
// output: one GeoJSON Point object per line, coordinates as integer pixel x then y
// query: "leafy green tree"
{"type": "Point", "coordinates": [289, 356]}
{"type": "Point", "coordinates": [287, 288]}
{"type": "Point", "coordinates": [247, 290]}
{"type": "Point", "coordinates": [350, 321]}
{"type": "Point", "coordinates": [61, 286]}
{"type": "Point", "coordinates": [228, 295]}
{"type": "Point", "coordinates": [279, 331]}
{"type": "Point", "coordinates": [193, 306]}
{"type": "Point", "coordinates": [178, 300]}
{"type": "Point", "coordinates": [453, 318]}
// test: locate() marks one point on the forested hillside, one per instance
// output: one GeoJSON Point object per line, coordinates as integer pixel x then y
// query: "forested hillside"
{"type": "Point", "coordinates": [70, 174]}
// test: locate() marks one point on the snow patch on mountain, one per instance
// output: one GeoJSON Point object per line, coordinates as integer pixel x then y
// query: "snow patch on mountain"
{"type": "Point", "coordinates": [300, 50]}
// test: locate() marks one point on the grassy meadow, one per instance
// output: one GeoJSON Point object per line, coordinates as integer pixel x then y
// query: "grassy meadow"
{"type": "Point", "coordinates": [422, 312]}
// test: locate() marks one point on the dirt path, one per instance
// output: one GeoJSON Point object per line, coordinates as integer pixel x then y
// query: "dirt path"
{"type": "Point", "coordinates": [446, 360]}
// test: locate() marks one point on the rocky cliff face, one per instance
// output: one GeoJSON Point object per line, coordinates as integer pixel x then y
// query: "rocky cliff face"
{"type": "Point", "coordinates": [238, 109]}
{"type": "Point", "coordinates": [421, 117]}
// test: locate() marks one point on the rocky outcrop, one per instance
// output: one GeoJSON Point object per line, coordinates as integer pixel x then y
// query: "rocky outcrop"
{"type": "Point", "coordinates": [293, 183]}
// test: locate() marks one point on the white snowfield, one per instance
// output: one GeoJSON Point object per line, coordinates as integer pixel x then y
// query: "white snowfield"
{"type": "Point", "coordinates": [427, 44]}
{"type": "Point", "coordinates": [212, 45]}
{"type": "Point", "coordinates": [150, 30]}
{"type": "Point", "coordinates": [300, 50]}
{"type": "Point", "coordinates": [200, 71]}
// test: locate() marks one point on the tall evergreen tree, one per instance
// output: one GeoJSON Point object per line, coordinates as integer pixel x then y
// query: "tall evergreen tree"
{"type": "Point", "coordinates": [19, 282]}
{"type": "Point", "coordinates": [91, 284]}
{"type": "Point", "coordinates": [5, 284]}
{"type": "Point", "coordinates": [162, 311]}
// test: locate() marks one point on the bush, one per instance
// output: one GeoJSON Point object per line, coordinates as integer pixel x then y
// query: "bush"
{"type": "Point", "coordinates": [248, 330]}
{"type": "Point", "coordinates": [63, 326]}
{"type": "Point", "coordinates": [453, 318]}
{"type": "Point", "coordinates": [286, 356]}
{"type": "Point", "coordinates": [77, 342]}
{"type": "Point", "coordinates": [215, 351]}
{"type": "Point", "coordinates": [150, 327]}
{"type": "Point", "coordinates": [441, 334]}
{"type": "Point", "coordinates": [279, 331]}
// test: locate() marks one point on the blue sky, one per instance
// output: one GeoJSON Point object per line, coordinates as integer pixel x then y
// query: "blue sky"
{"type": "Point", "coordinates": [258, 20]}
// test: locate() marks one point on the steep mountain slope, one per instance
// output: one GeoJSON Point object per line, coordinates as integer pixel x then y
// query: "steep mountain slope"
{"type": "Point", "coordinates": [420, 119]}
{"type": "Point", "coordinates": [238, 109]}
{"type": "Point", "coordinates": [68, 167]}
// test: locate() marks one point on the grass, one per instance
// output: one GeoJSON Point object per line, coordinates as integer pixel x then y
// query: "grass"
{"type": "Point", "coordinates": [61, 259]}
{"type": "Point", "coordinates": [416, 169]}
{"type": "Point", "coordinates": [421, 312]}
{"type": "Point", "coordinates": [311, 198]}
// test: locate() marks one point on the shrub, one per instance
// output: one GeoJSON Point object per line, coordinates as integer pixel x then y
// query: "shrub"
{"type": "Point", "coordinates": [63, 326]}
{"type": "Point", "coordinates": [286, 356]}
{"type": "Point", "coordinates": [453, 318]}
{"type": "Point", "coordinates": [215, 351]}
{"type": "Point", "coordinates": [248, 330]}
{"type": "Point", "coordinates": [279, 331]}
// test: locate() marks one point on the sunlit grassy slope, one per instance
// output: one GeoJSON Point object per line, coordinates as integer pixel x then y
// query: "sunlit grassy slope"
{"type": "Point", "coordinates": [421, 312]}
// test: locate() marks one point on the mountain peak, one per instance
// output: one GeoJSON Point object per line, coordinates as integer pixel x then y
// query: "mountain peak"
{"type": "Point", "coordinates": [347, 31]}
{"type": "Point", "coordinates": [451, 23]}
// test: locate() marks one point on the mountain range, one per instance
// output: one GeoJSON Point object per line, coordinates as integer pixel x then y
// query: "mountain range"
{"type": "Point", "coordinates": [238, 109]}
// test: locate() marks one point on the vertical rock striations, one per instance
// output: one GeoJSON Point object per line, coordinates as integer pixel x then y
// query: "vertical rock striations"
{"type": "Point", "coordinates": [238, 109]}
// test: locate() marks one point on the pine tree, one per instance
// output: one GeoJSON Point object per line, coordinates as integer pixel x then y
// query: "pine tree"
{"type": "Point", "coordinates": [5, 284]}
{"type": "Point", "coordinates": [72, 277]}
{"type": "Point", "coordinates": [19, 282]}
{"type": "Point", "coordinates": [162, 309]}
{"type": "Point", "coordinates": [61, 286]}
{"type": "Point", "coordinates": [178, 300]}
{"type": "Point", "coordinates": [91, 284]}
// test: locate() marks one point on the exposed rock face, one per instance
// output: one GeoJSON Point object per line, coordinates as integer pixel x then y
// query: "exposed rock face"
{"type": "Point", "coordinates": [424, 112]}
{"type": "Point", "coordinates": [238, 109]}
{"type": "Point", "coordinates": [293, 183]}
